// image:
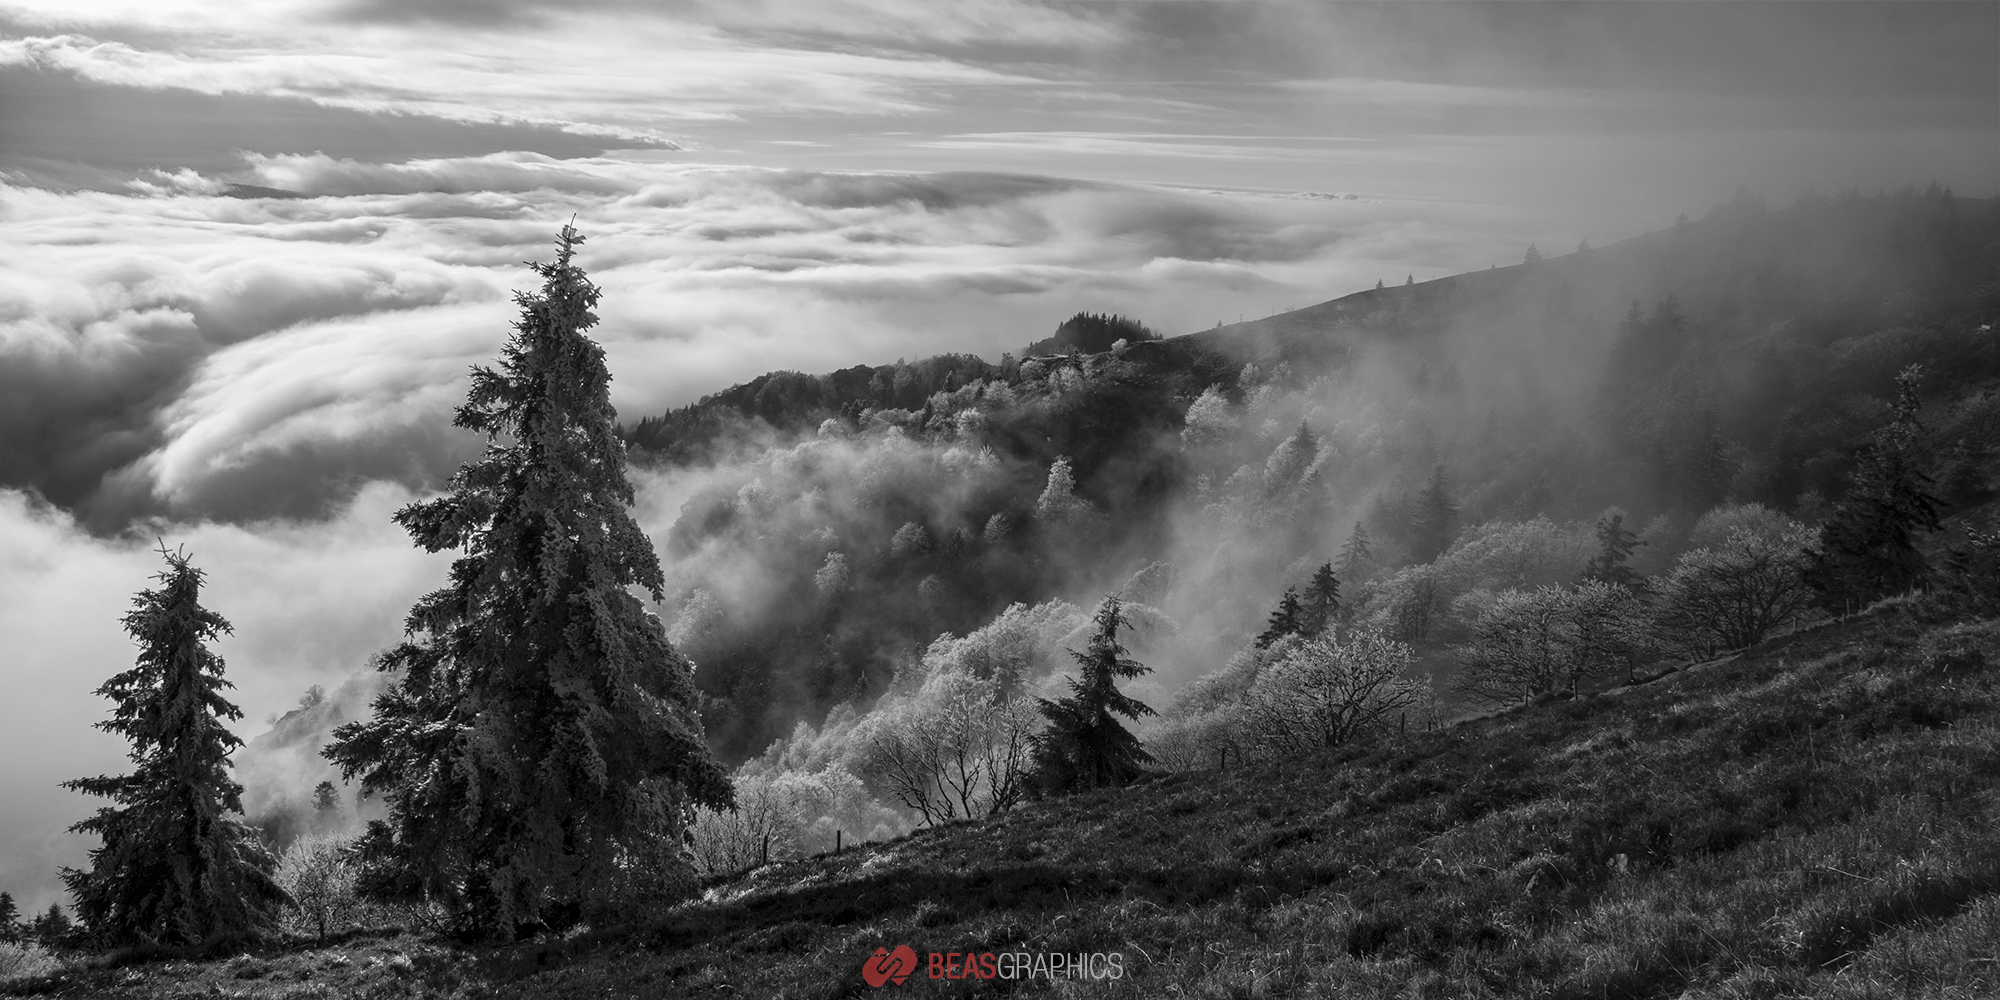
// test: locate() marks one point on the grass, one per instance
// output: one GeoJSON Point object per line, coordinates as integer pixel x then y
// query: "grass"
{"type": "Point", "coordinates": [1814, 818]}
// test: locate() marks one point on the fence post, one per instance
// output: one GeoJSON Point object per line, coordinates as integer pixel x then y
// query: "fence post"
{"type": "Point", "coordinates": [836, 841]}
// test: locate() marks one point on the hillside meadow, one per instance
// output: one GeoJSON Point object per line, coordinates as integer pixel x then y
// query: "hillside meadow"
{"type": "Point", "coordinates": [1812, 817]}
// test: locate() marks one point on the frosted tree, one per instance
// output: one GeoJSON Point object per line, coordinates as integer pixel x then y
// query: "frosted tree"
{"type": "Point", "coordinates": [1059, 503]}
{"type": "Point", "coordinates": [540, 744]}
{"type": "Point", "coordinates": [177, 867]}
{"type": "Point", "coordinates": [832, 577]}
{"type": "Point", "coordinates": [1328, 692]}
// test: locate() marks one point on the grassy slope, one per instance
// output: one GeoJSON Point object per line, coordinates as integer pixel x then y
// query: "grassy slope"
{"type": "Point", "coordinates": [1815, 817]}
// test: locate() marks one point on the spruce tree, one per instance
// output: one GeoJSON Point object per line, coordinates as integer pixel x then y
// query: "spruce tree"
{"type": "Point", "coordinates": [10, 918]}
{"type": "Point", "coordinates": [177, 868]}
{"type": "Point", "coordinates": [1866, 549]}
{"type": "Point", "coordinates": [1615, 544]}
{"type": "Point", "coordinates": [1085, 746]}
{"type": "Point", "coordinates": [1322, 601]}
{"type": "Point", "coordinates": [1355, 555]}
{"type": "Point", "coordinates": [53, 927]}
{"type": "Point", "coordinates": [541, 743]}
{"type": "Point", "coordinates": [326, 798]}
{"type": "Point", "coordinates": [1434, 518]}
{"type": "Point", "coordinates": [1288, 618]}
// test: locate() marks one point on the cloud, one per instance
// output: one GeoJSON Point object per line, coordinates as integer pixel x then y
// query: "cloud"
{"type": "Point", "coordinates": [172, 350]}
{"type": "Point", "coordinates": [625, 72]}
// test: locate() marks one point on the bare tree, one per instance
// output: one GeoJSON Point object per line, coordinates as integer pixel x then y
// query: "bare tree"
{"type": "Point", "coordinates": [1009, 752]}
{"type": "Point", "coordinates": [905, 757]}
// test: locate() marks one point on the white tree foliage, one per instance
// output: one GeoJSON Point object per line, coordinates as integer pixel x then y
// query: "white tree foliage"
{"type": "Point", "coordinates": [1059, 503]}
{"type": "Point", "coordinates": [1330, 691]}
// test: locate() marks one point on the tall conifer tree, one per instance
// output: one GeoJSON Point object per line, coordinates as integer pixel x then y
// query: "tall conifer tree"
{"type": "Point", "coordinates": [177, 868]}
{"type": "Point", "coordinates": [541, 743]}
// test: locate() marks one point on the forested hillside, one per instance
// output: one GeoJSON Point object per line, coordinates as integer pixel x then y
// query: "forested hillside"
{"type": "Point", "coordinates": [839, 523]}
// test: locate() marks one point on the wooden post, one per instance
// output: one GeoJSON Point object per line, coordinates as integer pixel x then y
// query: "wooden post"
{"type": "Point", "coordinates": [764, 855]}
{"type": "Point", "coordinates": [836, 841]}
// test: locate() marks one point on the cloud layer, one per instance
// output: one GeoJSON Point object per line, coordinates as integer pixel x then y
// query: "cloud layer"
{"type": "Point", "coordinates": [173, 350]}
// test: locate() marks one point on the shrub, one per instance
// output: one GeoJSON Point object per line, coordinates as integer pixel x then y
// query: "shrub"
{"type": "Point", "coordinates": [1196, 741]}
{"type": "Point", "coordinates": [25, 960]}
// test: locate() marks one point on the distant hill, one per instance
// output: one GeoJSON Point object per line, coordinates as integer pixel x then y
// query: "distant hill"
{"type": "Point", "coordinates": [1091, 333]}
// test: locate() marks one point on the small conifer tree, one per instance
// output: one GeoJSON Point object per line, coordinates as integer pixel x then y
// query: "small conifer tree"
{"type": "Point", "coordinates": [1355, 555]}
{"type": "Point", "coordinates": [53, 927]}
{"type": "Point", "coordinates": [1866, 549]}
{"type": "Point", "coordinates": [1288, 618]}
{"type": "Point", "coordinates": [1322, 601]}
{"type": "Point", "coordinates": [1615, 544]}
{"type": "Point", "coordinates": [10, 918]}
{"type": "Point", "coordinates": [1085, 746]}
{"type": "Point", "coordinates": [1434, 519]}
{"type": "Point", "coordinates": [177, 868]}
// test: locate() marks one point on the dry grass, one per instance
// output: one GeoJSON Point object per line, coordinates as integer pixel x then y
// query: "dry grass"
{"type": "Point", "coordinates": [1814, 819]}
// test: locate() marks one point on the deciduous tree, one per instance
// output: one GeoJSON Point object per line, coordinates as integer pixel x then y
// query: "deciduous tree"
{"type": "Point", "coordinates": [1330, 692]}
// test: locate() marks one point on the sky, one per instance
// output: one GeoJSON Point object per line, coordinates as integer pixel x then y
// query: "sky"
{"type": "Point", "coordinates": [247, 252]}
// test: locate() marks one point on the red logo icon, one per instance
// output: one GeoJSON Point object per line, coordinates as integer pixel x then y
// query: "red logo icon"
{"type": "Point", "coordinates": [887, 966]}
